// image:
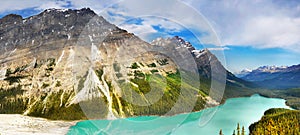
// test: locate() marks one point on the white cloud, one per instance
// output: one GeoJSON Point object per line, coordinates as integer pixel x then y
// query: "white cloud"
{"type": "Point", "coordinates": [169, 25]}
{"type": "Point", "coordinates": [144, 31]}
{"type": "Point", "coordinates": [52, 4]}
{"type": "Point", "coordinates": [218, 49]}
{"type": "Point", "coordinates": [267, 32]}
{"type": "Point", "coordinates": [261, 24]}
{"type": "Point", "coordinates": [8, 5]}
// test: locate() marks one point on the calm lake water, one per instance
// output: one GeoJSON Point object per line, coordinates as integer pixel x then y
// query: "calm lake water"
{"type": "Point", "coordinates": [245, 111]}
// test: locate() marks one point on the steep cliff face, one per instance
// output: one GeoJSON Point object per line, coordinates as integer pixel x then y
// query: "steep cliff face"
{"type": "Point", "coordinates": [73, 64]}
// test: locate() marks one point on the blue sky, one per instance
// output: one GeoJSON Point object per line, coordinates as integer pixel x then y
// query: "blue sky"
{"type": "Point", "coordinates": [248, 34]}
{"type": "Point", "coordinates": [242, 57]}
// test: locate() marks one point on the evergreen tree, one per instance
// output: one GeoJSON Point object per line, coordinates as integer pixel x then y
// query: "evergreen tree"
{"type": "Point", "coordinates": [243, 131]}
{"type": "Point", "coordinates": [221, 133]}
{"type": "Point", "coordinates": [238, 129]}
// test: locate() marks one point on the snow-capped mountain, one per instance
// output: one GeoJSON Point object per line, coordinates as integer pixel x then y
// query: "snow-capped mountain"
{"type": "Point", "coordinates": [271, 69]}
{"type": "Point", "coordinates": [275, 77]}
{"type": "Point", "coordinates": [243, 73]}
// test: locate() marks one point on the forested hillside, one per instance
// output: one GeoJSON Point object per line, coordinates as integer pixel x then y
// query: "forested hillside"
{"type": "Point", "coordinates": [277, 121]}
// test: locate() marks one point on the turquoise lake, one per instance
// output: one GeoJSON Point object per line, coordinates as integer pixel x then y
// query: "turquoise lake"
{"type": "Point", "coordinates": [245, 111]}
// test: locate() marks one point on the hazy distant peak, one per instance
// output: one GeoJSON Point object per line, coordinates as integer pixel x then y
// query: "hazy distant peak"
{"type": "Point", "coordinates": [275, 76]}
{"type": "Point", "coordinates": [271, 69]}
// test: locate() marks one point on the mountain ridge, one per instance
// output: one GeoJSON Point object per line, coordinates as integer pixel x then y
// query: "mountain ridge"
{"type": "Point", "coordinates": [63, 62]}
{"type": "Point", "coordinates": [274, 77]}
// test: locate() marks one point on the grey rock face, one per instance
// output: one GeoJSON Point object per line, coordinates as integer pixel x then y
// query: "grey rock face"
{"type": "Point", "coordinates": [47, 27]}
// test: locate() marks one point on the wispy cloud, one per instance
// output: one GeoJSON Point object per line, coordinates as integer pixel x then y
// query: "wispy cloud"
{"type": "Point", "coordinates": [9, 5]}
{"type": "Point", "coordinates": [53, 4]}
{"type": "Point", "coordinates": [150, 28]}
{"type": "Point", "coordinates": [261, 24]}
{"type": "Point", "coordinates": [218, 49]}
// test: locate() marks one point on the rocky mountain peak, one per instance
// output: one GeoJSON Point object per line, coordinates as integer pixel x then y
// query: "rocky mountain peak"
{"type": "Point", "coordinates": [178, 41]}
{"type": "Point", "coordinates": [204, 59]}
{"type": "Point", "coordinates": [183, 43]}
{"type": "Point", "coordinates": [10, 19]}
{"type": "Point", "coordinates": [51, 25]}
{"type": "Point", "coordinates": [83, 11]}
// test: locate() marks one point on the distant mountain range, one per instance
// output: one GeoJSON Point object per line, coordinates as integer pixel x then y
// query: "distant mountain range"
{"type": "Point", "coordinates": [273, 77]}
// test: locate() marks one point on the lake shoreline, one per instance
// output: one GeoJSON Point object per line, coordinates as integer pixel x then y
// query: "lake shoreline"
{"type": "Point", "coordinates": [14, 124]}
{"type": "Point", "coordinates": [47, 124]}
{"type": "Point", "coordinates": [235, 110]}
{"type": "Point", "coordinates": [279, 97]}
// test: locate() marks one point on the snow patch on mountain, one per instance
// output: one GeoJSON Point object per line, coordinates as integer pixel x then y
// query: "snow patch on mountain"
{"type": "Point", "coordinates": [271, 69]}
{"type": "Point", "coordinates": [243, 73]}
